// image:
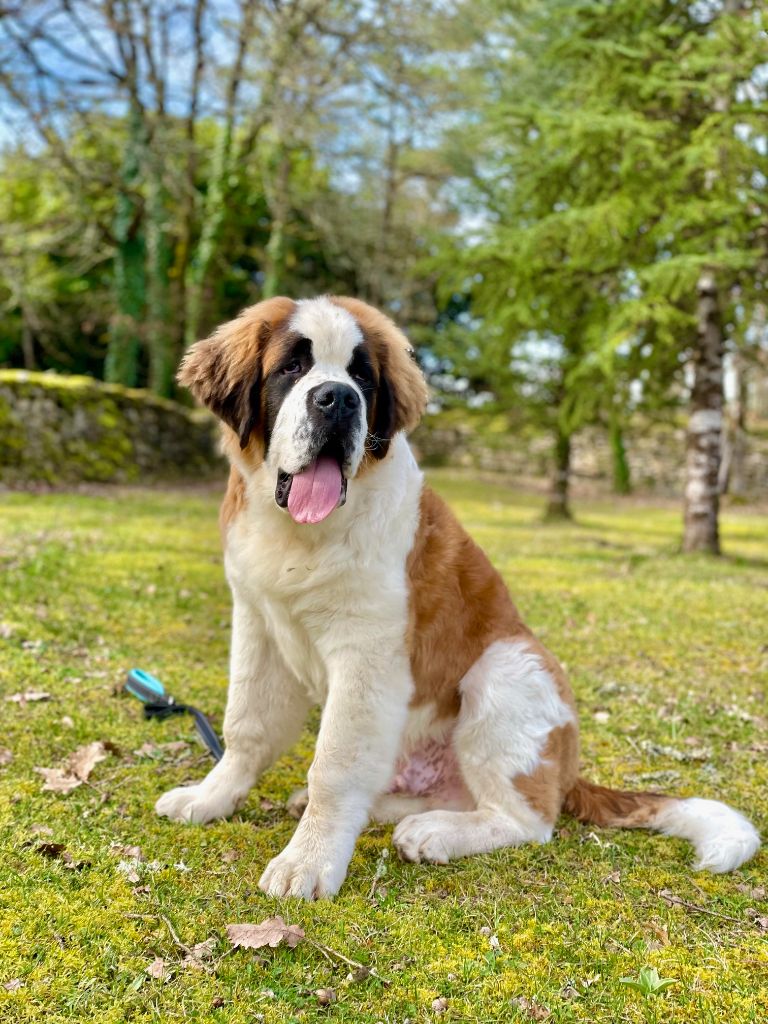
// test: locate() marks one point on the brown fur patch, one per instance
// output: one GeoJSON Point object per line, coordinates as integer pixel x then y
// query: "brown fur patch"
{"type": "Point", "coordinates": [458, 606]}
{"type": "Point", "coordinates": [402, 385]}
{"type": "Point", "coordinates": [234, 499]}
{"type": "Point", "coordinates": [546, 787]}
{"type": "Point", "coordinates": [613, 807]}
{"type": "Point", "coordinates": [224, 371]}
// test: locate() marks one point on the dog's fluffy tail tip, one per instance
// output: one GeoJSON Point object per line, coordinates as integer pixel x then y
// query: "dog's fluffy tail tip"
{"type": "Point", "coordinates": [722, 837]}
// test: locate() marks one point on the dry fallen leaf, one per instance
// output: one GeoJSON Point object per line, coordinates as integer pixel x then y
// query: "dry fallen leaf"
{"type": "Point", "coordinates": [200, 952]}
{"type": "Point", "coordinates": [754, 892]}
{"type": "Point", "coordinates": [77, 767]}
{"type": "Point", "coordinates": [760, 920]}
{"type": "Point", "coordinates": [661, 933]}
{"type": "Point", "coordinates": [133, 852]}
{"type": "Point", "coordinates": [57, 851]}
{"type": "Point", "coordinates": [147, 750]}
{"type": "Point", "coordinates": [5, 756]}
{"type": "Point", "coordinates": [14, 985]}
{"type": "Point", "coordinates": [28, 697]}
{"type": "Point", "coordinates": [157, 968]}
{"type": "Point", "coordinates": [531, 1008]}
{"type": "Point", "coordinates": [271, 932]}
{"type": "Point", "coordinates": [57, 780]}
{"type": "Point", "coordinates": [162, 750]}
{"type": "Point", "coordinates": [174, 747]}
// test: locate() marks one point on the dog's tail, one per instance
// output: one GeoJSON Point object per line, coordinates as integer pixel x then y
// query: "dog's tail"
{"type": "Point", "coordinates": [723, 838]}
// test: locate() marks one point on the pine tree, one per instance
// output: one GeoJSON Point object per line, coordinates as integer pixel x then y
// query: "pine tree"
{"type": "Point", "coordinates": [621, 164]}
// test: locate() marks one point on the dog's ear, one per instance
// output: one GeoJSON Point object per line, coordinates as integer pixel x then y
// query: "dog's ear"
{"type": "Point", "coordinates": [401, 397]}
{"type": "Point", "coordinates": [224, 371]}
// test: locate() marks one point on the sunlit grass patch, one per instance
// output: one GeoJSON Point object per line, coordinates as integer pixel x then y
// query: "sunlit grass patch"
{"type": "Point", "coordinates": [669, 661]}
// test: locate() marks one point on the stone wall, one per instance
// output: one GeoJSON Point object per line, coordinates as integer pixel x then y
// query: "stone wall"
{"type": "Point", "coordinates": [56, 429]}
{"type": "Point", "coordinates": [656, 453]}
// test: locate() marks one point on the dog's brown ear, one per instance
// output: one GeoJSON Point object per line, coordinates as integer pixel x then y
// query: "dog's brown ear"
{"type": "Point", "coordinates": [224, 371]}
{"type": "Point", "coordinates": [401, 397]}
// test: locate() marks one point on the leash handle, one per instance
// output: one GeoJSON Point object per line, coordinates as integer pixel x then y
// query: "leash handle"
{"type": "Point", "coordinates": [158, 704]}
{"type": "Point", "coordinates": [146, 687]}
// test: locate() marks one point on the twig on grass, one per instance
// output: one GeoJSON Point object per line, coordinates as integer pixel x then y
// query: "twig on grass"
{"type": "Point", "coordinates": [187, 950]}
{"type": "Point", "coordinates": [677, 901]}
{"type": "Point", "coordinates": [328, 952]}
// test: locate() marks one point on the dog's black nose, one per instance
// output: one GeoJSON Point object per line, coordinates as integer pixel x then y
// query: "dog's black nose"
{"type": "Point", "coordinates": [336, 401]}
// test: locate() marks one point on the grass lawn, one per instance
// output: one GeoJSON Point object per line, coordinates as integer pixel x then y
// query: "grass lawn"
{"type": "Point", "coordinates": [669, 658]}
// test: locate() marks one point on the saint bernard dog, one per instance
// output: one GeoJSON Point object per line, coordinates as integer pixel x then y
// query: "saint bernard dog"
{"type": "Point", "coordinates": [355, 588]}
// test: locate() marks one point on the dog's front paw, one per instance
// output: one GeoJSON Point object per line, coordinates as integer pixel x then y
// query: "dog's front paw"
{"type": "Point", "coordinates": [295, 873]}
{"type": "Point", "coordinates": [195, 804]}
{"type": "Point", "coordinates": [423, 837]}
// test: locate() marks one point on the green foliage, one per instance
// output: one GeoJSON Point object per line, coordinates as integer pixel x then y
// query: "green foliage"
{"type": "Point", "coordinates": [619, 154]}
{"type": "Point", "coordinates": [670, 651]}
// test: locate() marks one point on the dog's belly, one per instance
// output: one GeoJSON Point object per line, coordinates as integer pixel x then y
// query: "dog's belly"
{"type": "Point", "coordinates": [427, 764]}
{"type": "Point", "coordinates": [430, 769]}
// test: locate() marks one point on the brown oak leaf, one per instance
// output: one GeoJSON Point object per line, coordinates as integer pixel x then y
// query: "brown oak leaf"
{"type": "Point", "coordinates": [272, 932]}
{"type": "Point", "coordinates": [77, 768]}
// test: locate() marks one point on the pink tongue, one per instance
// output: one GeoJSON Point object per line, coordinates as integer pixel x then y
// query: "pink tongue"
{"type": "Point", "coordinates": [316, 492]}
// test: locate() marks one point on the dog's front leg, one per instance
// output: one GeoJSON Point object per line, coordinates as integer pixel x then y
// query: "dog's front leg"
{"type": "Point", "coordinates": [360, 731]}
{"type": "Point", "coordinates": [266, 709]}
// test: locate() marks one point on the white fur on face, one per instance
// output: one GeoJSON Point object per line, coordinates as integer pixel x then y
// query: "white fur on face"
{"type": "Point", "coordinates": [334, 334]}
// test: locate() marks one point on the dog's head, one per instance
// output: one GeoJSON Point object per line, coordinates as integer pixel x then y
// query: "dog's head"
{"type": "Point", "coordinates": [312, 390]}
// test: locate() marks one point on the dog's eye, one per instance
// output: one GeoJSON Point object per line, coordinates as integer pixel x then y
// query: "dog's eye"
{"type": "Point", "coordinates": [292, 368]}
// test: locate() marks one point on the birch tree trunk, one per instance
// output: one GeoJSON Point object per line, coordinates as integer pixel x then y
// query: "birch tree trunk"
{"type": "Point", "coordinates": [705, 426]}
{"type": "Point", "coordinates": [732, 467]}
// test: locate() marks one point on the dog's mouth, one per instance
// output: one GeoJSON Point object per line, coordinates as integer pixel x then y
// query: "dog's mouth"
{"type": "Point", "coordinates": [311, 495]}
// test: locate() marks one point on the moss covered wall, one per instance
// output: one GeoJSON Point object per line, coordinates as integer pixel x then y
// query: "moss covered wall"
{"type": "Point", "coordinates": [56, 429]}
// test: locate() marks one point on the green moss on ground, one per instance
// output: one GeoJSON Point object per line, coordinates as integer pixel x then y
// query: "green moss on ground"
{"type": "Point", "coordinates": [668, 658]}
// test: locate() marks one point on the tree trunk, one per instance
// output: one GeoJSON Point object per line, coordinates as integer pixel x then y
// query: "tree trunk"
{"type": "Point", "coordinates": [27, 339]}
{"type": "Point", "coordinates": [732, 468]}
{"type": "Point", "coordinates": [160, 342]}
{"type": "Point", "coordinates": [219, 187]}
{"type": "Point", "coordinates": [622, 480]}
{"type": "Point", "coordinates": [279, 203]}
{"type": "Point", "coordinates": [558, 505]}
{"type": "Point", "coordinates": [122, 361]}
{"type": "Point", "coordinates": [704, 443]}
